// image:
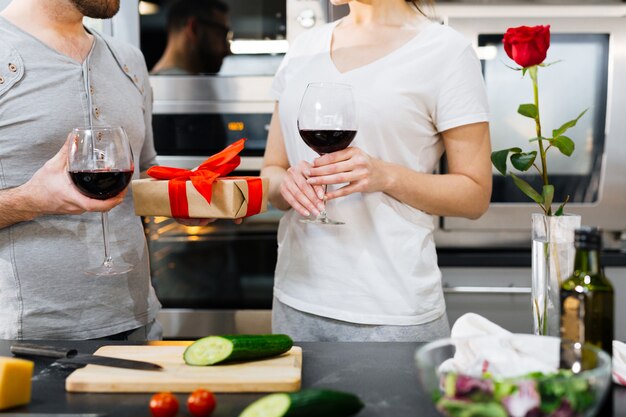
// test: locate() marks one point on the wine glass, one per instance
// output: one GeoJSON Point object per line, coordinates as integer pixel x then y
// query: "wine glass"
{"type": "Point", "coordinates": [100, 164]}
{"type": "Point", "coordinates": [327, 122]}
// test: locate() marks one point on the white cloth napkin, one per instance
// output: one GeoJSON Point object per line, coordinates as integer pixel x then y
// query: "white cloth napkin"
{"type": "Point", "coordinates": [500, 352]}
{"type": "Point", "coordinates": [508, 359]}
{"type": "Point", "coordinates": [619, 362]}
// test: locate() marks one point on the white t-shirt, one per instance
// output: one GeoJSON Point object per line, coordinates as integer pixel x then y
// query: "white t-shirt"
{"type": "Point", "coordinates": [381, 266]}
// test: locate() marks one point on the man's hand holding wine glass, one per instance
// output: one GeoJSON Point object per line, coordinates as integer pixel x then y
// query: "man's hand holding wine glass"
{"type": "Point", "coordinates": [51, 191]}
{"type": "Point", "coordinates": [100, 164]}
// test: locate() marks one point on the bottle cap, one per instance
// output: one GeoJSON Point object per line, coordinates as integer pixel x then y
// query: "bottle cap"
{"type": "Point", "coordinates": [587, 237]}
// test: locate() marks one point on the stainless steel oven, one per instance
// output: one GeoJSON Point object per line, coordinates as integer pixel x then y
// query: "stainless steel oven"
{"type": "Point", "coordinates": [217, 278]}
{"type": "Point", "coordinates": [590, 39]}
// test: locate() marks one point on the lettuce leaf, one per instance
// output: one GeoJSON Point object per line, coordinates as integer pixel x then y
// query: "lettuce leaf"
{"type": "Point", "coordinates": [459, 408]}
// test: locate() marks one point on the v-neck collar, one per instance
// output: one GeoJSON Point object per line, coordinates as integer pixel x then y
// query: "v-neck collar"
{"type": "Point", "coordinates": [376, 61]}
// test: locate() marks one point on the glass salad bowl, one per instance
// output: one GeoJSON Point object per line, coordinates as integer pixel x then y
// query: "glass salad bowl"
{"type": "Point", "coordinates": [517, 375]}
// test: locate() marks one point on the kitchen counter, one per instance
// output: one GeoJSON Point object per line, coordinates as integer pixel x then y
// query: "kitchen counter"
{"type": "Point", "coordinates": [383, 375]}
{"type": "Point", "coordinates": [506, 257]}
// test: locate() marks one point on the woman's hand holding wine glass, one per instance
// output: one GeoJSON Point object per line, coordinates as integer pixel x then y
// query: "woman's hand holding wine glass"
{"type": "Point", "coordinates": [301, 196]}
{"type": "Point", "coordinates": [362, 172]}
{"type": "Point", "coordinates": [327, 122]}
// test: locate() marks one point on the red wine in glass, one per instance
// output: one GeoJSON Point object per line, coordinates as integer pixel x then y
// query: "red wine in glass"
{"type": "Point", "coordinates": [100, 164]}
{"type": "Point", "coordinates": [327, 141]}
{"type": "Point", "coordinates": [327, 122]}
{"type": "Point", "coordinates": [101, 185]}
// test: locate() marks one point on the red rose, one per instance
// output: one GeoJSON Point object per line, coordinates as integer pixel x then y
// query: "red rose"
{"type": "Point", "coordinates": [527, 46]}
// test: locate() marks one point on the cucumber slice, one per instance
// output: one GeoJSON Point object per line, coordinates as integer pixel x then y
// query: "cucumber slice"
{"type": "Point", "coordinates": [272, 405]}
{"type": "Point", "coordinates": [306, 403]}
{"type": "Point", "coordinates": [212, 350]}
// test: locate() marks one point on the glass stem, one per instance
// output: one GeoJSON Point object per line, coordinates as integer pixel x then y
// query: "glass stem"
{"type": "Point", "coordinates": [322, 216]}
{"type": "Point", "coordinates": [108, 262]}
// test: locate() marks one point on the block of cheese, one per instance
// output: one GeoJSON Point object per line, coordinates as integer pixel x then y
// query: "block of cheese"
{"type": "Point", "coordinates": [15, 378]}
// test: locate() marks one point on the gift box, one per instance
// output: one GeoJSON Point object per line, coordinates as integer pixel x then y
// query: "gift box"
{"type": "Point", "coordinates": [204, 192]}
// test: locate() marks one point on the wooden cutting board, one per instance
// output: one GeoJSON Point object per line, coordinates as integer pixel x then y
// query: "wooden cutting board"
{"type": "Point", "coordinates": [281, 373]}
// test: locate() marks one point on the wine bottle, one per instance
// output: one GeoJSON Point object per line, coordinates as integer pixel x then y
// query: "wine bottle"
{"type": "Point", "coordinates": [587, 299]}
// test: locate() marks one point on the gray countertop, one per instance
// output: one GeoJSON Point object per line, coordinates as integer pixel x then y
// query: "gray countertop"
{"type": "Point", "coordinates": [383, 375]}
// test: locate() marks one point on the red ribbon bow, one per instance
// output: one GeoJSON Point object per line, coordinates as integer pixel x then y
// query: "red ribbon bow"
{"type": "Point", "coordinates": [203, 177]}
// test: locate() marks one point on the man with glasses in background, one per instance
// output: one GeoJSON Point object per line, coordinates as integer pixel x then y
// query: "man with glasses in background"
{"type": "Point", "coordinates": [198, 38]}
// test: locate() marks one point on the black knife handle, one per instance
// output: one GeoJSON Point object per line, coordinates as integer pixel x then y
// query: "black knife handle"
{"type": "Point", "coordinates": [31, 349]}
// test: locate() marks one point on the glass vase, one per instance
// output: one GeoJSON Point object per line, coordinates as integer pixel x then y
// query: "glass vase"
{"type": "Point", "coordinates": [552, 262]}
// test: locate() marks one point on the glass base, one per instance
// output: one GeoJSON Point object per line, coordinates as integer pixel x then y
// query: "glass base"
{"type": "Point", "coordinates": [110, 269]}
{"type": "Point", "coordinates": [321, 220]}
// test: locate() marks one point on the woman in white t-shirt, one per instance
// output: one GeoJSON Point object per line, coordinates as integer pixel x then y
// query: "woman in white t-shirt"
{"type": "Point", "coordinates": [419, 91]}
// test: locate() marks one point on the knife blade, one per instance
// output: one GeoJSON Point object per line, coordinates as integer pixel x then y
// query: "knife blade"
{"type": "Point", "coordinates": [51, 415]}
{"type": "Point", "coordinates": [72, 357]}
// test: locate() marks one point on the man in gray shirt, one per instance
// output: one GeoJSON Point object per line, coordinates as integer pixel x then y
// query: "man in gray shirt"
{"type": "Point", "coordinates": [56, 75]}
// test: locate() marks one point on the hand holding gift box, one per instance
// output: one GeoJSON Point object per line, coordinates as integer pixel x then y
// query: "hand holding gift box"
{"type": "Point", "coordinates": [203, 192]}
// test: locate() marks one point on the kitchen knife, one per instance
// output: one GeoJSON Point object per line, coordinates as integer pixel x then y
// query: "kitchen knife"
{"type": "Point", "coordinates": [50, 415]}
{"type": "Point", "coordinates": [72, 357]}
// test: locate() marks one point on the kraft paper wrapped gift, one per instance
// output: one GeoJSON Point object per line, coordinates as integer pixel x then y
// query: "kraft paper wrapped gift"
{"type": "Point", "coordinates": [203, 192]}
{"type": "Point", "coordinates": [229, 200]}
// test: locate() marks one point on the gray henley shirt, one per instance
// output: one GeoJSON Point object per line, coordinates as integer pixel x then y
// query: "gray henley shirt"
{"type": "Point", "coordinates": [44, 292]}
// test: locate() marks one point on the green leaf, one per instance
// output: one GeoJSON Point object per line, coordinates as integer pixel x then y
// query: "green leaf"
{"type": "Point", "coordinates": [548, 196]}
{"type": "Point", "coordinates": [558, 132]}
{"type": "Point", "coordinates": [523, 161]}
{"type": "Point", "coordinates": [564, 144]}
{"type": "Point", "coordinates": [559, 211]}
{"type": "Point", "coordinates": [549, 63]}
{"type": "Point", "coordinates": [514, 68]}
{"type": "Point", "coordinates": [450, 385]}
{"type": "Point", "coordinates": [498, 158]}
{"type": "Point", "coordinates": [503, 389]}
{"type": "Point", "coordinates": [527, 189]}
{"type": "Point", "coordinates": [461, 408]}
{"type": "Point", "coordinates": [528, 110]}
{"type": "Point", "coordinates": [556, 388]}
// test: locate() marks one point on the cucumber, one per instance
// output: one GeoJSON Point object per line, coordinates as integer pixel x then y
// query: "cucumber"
{"type": "Point", "coordinates": [306, 403]}
{"type": "Point", "coordinates": [212, 350]}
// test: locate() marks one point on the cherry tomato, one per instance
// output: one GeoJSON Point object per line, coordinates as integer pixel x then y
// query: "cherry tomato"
{"type": "Point", "coordinates": [163, 404]}
{"type": "Point", "coordinates": [201, 403]}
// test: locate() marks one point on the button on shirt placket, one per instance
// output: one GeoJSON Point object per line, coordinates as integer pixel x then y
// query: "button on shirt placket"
{"type": "Point", "coordinates": [12, 68]}
{"type": "Point", "coordinates": [136, 80]}
{"type": "Point", "coordinates": [95, 111]}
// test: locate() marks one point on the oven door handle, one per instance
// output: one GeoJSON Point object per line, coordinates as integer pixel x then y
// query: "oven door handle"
{"type": "Point", "coordinates": [487, 290]}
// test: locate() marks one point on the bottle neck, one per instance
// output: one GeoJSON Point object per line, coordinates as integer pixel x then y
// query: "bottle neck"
{"type": "Point", "coordinates": [588, 260]}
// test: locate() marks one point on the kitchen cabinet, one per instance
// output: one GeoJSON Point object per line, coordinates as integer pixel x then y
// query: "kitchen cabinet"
{"type": "Point", "coordinates": [502, 295]}
{"type": "Point", "coordinates": [500, 289]}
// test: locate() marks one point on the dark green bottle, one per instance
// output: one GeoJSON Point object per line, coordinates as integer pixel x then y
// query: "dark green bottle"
{"type": "Point", "coordinates": [587, 302]}
{"type": "Point", "coordinates": [587, 299]}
